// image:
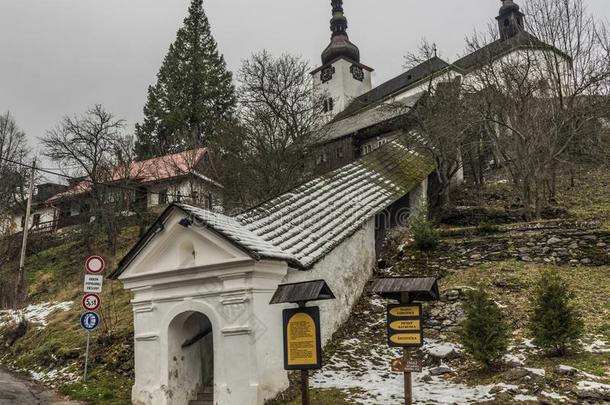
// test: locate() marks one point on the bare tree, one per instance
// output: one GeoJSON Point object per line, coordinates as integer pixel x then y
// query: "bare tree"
{"type": "Point", "coordinates": [13, 152]}
{"type": "Point", "coordinates": [263, 154]}
{"type": "Point", "coordinates": [88, 143]}
{"type": "Point", "coordinates": [424, 52]}
{"type": "Point", "coordinates": [540, 102]}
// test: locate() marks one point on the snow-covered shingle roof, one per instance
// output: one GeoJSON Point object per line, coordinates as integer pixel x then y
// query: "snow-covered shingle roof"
{"type": "Point", "coordinates": [306, 223]}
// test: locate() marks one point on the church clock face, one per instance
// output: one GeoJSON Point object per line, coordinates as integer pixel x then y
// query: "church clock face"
{"type": "Point", "coordinates": [357, 72]}
{"type": "Point", "coordinates": [327, 73]}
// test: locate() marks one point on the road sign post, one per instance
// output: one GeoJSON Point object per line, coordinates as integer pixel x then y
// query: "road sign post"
{"type": "Point", "coordinates": [91, 301]}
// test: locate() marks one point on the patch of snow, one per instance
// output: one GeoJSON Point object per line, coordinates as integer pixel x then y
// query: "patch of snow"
{"type": "Point", "coordinates": [37, 313]}
{"type": "Point", "coordinates": [553, 395]}
{"type": "Point", "coordinates": [591, 385]}
{"type": "Point", "coordinates": [380, 386]}
{"type": "Point", "coordinates": [515, 359]}
{"type": "Point", "coordinates": [440, 349]}
{"type": "Point", "coordinates": [537, 371]}
{"type": "Point", "coordinates": [597, 346]}
{"type": "Point", "coordinates": [523, 398]}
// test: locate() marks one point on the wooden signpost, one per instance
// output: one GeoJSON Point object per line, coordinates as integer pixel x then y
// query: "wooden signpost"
{"type": "Point", "coordinates": [405, 321]}
{"type": "Point", "coordinates": [302, 341]}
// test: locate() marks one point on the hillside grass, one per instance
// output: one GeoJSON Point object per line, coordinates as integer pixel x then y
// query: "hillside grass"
{"type": "Point", "coordinates": [55, 275]}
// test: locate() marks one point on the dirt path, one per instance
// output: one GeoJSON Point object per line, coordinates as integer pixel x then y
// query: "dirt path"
{"type": "Point", "coordinates": [17, 390]}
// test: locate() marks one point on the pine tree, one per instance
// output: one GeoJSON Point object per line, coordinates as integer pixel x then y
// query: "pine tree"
{"type": "Point", "coordinates": [484, 332]}
{"type": "Point", "coordinates": [194, 92]}
{"type": "Point", "coordinates": [555, 322]}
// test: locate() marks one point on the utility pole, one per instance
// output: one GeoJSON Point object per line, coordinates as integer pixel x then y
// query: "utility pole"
{"type": "Point", "coordinates": [22, 290]}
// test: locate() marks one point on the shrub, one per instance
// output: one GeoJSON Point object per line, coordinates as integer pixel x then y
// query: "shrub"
{"type": "Point", "coordinates": [484, 332]}
{"type": "Point", "coordinates": [555, 323]}
{"type": "Point", "coordinates": [425, 236]}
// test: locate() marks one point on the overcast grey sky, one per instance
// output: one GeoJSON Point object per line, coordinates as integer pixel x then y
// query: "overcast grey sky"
{"type": "Point", "coordinates": [58, 57]}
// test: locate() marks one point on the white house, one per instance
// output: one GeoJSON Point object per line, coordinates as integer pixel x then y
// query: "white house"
{"type": "Point", "coordinates": [152, 184]}
{"type": "Point", "coordinates": [202, 281]}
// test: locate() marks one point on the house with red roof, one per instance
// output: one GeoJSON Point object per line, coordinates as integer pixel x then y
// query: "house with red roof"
{"type": "Point", "coordinates": [145, 186]}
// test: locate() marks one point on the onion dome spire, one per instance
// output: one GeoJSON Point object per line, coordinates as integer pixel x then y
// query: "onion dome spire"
{"type": "Point", "coordinates": [511, 20]}
{"type": "Point", "coordinates": [340, 45]}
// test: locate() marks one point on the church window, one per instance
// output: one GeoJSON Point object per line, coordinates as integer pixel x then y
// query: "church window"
{"type": "Point", "coordinates": [506, 22]}
{"type": "Point", "coordinates": [328, 105]}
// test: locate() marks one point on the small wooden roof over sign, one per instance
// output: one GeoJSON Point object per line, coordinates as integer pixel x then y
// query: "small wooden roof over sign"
{"type": "Point", "coordinates": [419, 288]}
{"type": "Point", "coordinates": [302, 292]}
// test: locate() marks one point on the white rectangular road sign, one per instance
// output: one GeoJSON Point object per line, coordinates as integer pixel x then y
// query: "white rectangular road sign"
{"type": "Point", "coordinates": [93, 283]}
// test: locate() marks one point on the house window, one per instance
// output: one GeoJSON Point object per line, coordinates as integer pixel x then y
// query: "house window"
{"type": "Point", "coordinates": [324, 157]}
{"type": "Point", "coordinates": [163, 197]}
{"type": "Point", "coordinates": [328, 105]}
{"type": "Point", "coordinates": [36, 220]}
{"type": "Point", "coordinates": [209, 201]}
{"type": "Point", "coordinates": [23, 221]}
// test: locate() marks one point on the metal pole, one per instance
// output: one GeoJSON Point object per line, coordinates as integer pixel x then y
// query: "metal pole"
{"type": "Point", "coordinates": [404, 299]}
{"type": "Point", "coordinates": [304, 387]}
{"type": "Point", "coordinates": [21, 291]}
{"type": "Point", "coordinates": [86, 357]}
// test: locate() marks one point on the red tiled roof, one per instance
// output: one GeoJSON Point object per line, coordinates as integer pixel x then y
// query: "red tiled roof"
{"type": "Point", "coordinates": [145, 171]}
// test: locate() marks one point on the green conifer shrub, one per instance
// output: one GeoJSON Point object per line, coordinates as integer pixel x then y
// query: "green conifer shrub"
{"type": "Point", "coordinates": [555, 323]}
{"type": "Point", "coordinates": [484, 332]}
{"type": "Point", "coordinates": [425, 236]}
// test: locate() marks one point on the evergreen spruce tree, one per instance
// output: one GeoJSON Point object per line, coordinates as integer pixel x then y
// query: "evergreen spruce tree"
{"type": "Point", "coordinates": [555, 322]}
{"type": "Point", "coordinates": [193, 95]}
{"type": "Point", "coordinates": [484, 332]}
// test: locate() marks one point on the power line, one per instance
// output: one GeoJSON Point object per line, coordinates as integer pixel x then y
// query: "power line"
{"type": "Point", "coordinates": [94, 183]}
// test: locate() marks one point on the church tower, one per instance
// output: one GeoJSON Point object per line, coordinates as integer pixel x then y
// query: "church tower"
{"type": "Point", "coordinates": [511, 20]}
{"type": "Point", "coordinates": [342, 77]}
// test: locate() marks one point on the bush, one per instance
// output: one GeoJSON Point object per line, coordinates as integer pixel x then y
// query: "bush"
{"type": "Point", "coordinates": [484, 332]}
{"type": "Point", "coordinates": [555, 323]}
{"type": "Point", "coordinates": [425, 236]}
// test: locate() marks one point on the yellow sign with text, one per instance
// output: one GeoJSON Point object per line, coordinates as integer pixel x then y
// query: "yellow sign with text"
{"type": "Point", "coordinates": [406, 310]}
{"type": "Point", "coordinates": [406, 339]}
{"type": "Point", "coordinates": [406, 325]}
{"type": "Point", "coordinates": [301, 340]}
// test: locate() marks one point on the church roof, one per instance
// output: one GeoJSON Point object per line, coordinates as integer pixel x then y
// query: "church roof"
{"type": "Point", "coordinates": [498, 48]}
{"type": "Point", "coordinates": [394, 85]}
{"type": "Point", "coordinates": [378, 114]}
{"type": "Point", "coordinates": [306, 223]}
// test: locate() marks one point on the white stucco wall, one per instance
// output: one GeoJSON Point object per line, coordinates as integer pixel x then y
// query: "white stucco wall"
{"type": "Point", "coordinates": [47, 214]}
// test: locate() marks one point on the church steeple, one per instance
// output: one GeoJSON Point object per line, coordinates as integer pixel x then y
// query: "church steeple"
{"type": "Point", "coordinates": [510, 20]}
{"type": "Point", "coordinates": [340, 45]}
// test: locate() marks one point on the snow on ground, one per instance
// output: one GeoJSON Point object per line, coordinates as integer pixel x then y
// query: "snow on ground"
{"type": "Point", "coordinates": [597, 346]}
{"type": "Point", "coordinates": [522, 397]}
{"type": "Point", "coordinates": [375, 384]}
{"type": "Point", "coordinates": [37, 313]}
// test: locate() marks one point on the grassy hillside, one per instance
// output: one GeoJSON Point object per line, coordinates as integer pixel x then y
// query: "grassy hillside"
{"type": "Point", "coordinates": [504, 257]}
{"type": "Point", "coordinates": [55, 353]}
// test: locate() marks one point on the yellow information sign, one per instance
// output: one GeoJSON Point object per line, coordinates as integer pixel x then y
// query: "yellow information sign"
{"type": "Point", "coordinates": [302, 346]}
{"type": "Point", "coordinates": [406, 339]}
{"type": "Point", "coordinates": [302, 340]}
{"type": "Point", "coordinates": [406, 325]}
{"type": "Point", "coordinates": [405, 310]}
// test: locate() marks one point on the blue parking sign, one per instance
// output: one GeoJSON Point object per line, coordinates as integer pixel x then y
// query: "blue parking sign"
{"type": "Point", "coordinates": [89, 320]}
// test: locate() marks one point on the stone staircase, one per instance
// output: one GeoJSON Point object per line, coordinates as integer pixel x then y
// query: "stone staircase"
{"type": "Point", "coordinates": [203, 399]}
